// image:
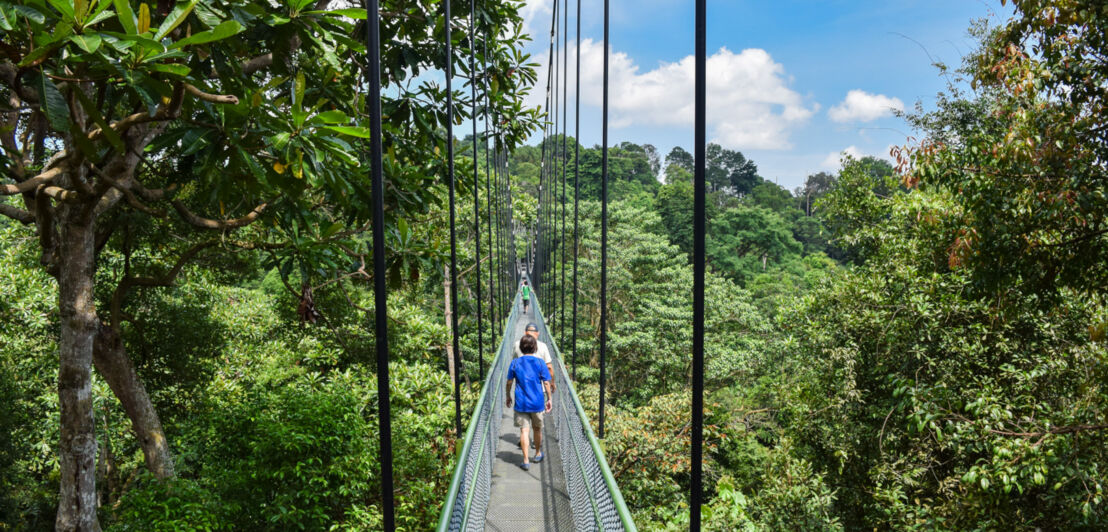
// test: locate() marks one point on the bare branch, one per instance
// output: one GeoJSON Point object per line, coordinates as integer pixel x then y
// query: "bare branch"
{"type": "Point", "coordinates": [213, 98]}
{"type": "Point", "coordinates": [166, 280]}
{"type": "Point", "coordinates": [128, 194]}
{"type": "Point", "coordinates": [58, 193]}
{"type": "Point", "coordinates": [17, 214]}
{"type": "Point", "coordinates": [258, 63]}
{"type": "Point", "coordinates": [218, 225]}
{"type": "Point", "coordinates": [32, 183]}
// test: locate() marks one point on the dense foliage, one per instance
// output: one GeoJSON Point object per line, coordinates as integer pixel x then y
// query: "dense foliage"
{"type": "Point", "coordinates": [915, 344]}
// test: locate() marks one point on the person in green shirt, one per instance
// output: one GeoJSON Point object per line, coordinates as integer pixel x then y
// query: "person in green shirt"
{"type": "Point", "coordinates": [526, 296]}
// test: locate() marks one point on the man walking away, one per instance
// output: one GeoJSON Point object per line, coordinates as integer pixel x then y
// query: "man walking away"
{"type": "Point", "coordinates": [526, 296]}
{"type": "Point", "coordinates": [541, 351]}
{"type": "Point", "coordinates": [531, 381]}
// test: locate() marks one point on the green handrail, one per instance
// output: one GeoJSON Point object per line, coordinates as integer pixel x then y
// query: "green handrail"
{"type": "Point", "coordinates": [605, 471]}
{"type": "Point", "coordinates": [456, 479]}
{"type": "Point", "coordinates": [459, 469]}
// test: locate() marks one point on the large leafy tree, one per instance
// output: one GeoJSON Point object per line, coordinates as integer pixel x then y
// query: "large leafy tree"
{"type": "Point", "coordinates": [746, 240]}
{"type": "Point", "coordinates": [147, 136]}
{"type": "Point", "coordinates": [1027, 158]}
{"type": "Point", "coordinates": [730, 170]}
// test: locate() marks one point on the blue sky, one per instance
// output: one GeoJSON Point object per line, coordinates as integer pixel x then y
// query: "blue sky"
{"type": "Point", "coordinates": [791, 83]}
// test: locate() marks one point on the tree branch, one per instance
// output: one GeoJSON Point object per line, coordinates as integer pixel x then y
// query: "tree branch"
{"type": "Point", "coordinates": [213, 98]}
{"type": "Point", "coordinates": [32, 183]}
{"type": "Point", "coordinates": [17, 214]}
{"type": "Point", "coordinates": [218, 225]}
{"type": "Point", "coordinates": [166, 280]}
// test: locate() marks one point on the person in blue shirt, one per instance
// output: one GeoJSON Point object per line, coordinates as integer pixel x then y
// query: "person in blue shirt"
{"type": "Point", "coordinates": [530, 379]}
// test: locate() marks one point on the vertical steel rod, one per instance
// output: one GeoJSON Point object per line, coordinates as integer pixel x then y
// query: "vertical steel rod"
{"type": "Point", "coordinates": [576, 182]}
{"type": "Point", "coordinates": [476, 188]}
{"type": "Point", "coordinates": [565, 163]}
{"type": "Point", "coordinates": [698, 272]}
{"type": "Point", "coordinates": [453, 236]}
{"type": "Point", "coordinates": [604, 233]}
{"type": "Point", "coordinates": [380, 296]}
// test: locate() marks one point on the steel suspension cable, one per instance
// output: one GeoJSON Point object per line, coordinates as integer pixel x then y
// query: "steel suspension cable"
{"type": "Point", "coordinates": [380, 296]}
{"type": "Point", "coordinates": [604, 233]}
{"type": "Point", "coordinates": [476, 188]}
{"type": "Point", "coordinates": [544, 169]}
{"type": "Point", "coordinates": [696, 486]}
{"type": "Point", "coordinates": [493, 261]}
{"type": "Point", "coordinates": [565, 162]}
{"type": "Point", "coordinates": [553, 178]}
{"type": "Point", "coordinates": [453, 234]}
{"type": "Point", "coordinates": [576, 182]}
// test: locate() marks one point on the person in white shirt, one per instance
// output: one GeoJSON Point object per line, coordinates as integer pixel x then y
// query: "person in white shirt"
{"type": "Point", "coordinates": [542, 352]}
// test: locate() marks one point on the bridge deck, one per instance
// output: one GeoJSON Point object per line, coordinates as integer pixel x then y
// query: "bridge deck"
{"type": "Point", "coordinates": [534, 500]}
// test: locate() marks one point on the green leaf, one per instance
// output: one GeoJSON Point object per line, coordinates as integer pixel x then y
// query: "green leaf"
{"type": "Point", "coordinates": [5, 20]}
{"type": "Point", "coordinates": [173, 69]}
{"type": "Point", "coordinates": [143, 18]}
{"type": "Point", "coordinates": [126, 16]}
{"type": "Point", "coordinates": [83, 143]}
{"type": "Point", "coordinates": [298, 5]}
{"type": "Point", "coordinates": [31, 13]}
{"type": "Point", "coordinates": [175, 18]}
{"type": "Point", "coordinates": [148, 44]}
{"type": "Point", "coordinates": [330, 117]}
{"type": "Point", "coordinates": [98, 18]}
{"type": "Point", "coordinates": [353, 12]}
{"type": "Point", "coordinates": [331, 230]}
{"type": "Point", "coordinates": [298, 91]}
{"type": "Point", "coordinates": [88, 43]}
{"type": "Point", "coordinates": [94, 113]}
{"type": "Point", "coordinates": [96, 15]}
{"type": "Point", "coordinates": [220, 32]}
{"type": "Point", "coordinates": [353, 131]}
{"type": "Point", "coordinates": [65, 7]}
{"type": "Point", "coordinates": [53, 104]}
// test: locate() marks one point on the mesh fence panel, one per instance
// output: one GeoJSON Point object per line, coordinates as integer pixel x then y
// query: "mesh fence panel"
{"type": "Point", "coordinates": [594, 506]}
{"type": "Point", "coordinates": [593, 503]}
{"type": "Point", "coordinates": [472, 499]}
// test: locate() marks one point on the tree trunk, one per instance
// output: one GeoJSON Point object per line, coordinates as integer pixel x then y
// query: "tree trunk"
{"type": "Point", "coordinates": [113, 364]}
{"type": "Point", "coordinates": [77, 445]}
{"type": "Point", "coordinates": [448, 314]}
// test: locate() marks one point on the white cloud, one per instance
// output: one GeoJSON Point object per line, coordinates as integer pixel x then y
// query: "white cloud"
{"type": "Point", "coordinates": [534, 12]}
{"type": "Point", "coordinates": [750, 104]}
{"type": "Point", "coordinates": [833, 161]}
{"type": "Point", "coordinates": [861, 106]}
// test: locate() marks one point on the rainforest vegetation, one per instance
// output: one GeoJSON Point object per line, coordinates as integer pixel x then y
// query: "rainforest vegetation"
{"type": "Point", "coordinates": [911, 342]}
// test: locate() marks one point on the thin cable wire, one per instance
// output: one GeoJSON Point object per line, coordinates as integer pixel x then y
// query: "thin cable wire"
{"type": "Point", "coordinates": [565, 163]}
{"type": "Point", "coordinates": [576, 182]}
{"type": "Point", "coordinates": [453, 236]}
{"type": "Point", "coordinates": [604, 234]}
{"type": "Point", "coordinates": [494, 309]}
{"type": "Point", "coordinates": [476, 187]}
{"type": "Point", "coordinates": [696, 486]}
{"type": "Point", "coordinates": [380, 296]}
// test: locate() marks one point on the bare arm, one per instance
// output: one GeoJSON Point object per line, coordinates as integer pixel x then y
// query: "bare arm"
{"type": "Point", "coordinates": [508, 392]}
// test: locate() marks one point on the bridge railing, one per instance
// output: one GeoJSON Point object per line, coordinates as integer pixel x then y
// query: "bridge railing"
{"type": "Point", "coordinates": [467, 500]}
{"type": "Point", "coordinates": [593, 494]}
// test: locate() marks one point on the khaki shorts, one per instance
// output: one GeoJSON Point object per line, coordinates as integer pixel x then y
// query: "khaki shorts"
{"type": "Point", "coordinates": [527, 420]}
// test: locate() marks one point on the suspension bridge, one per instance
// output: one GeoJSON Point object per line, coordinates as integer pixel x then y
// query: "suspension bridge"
{"type": "Point", "coordinates": [573, 487]}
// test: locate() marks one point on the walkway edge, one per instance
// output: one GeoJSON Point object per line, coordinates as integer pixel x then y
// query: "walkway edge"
{"type": "Point", "coordinates": [456, 479]}
{"type": "Point", "coordinates": [605, 471]}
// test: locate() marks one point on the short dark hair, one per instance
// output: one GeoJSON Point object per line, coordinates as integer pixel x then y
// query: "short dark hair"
{"type": "Point", "coordinates": [528, 344]}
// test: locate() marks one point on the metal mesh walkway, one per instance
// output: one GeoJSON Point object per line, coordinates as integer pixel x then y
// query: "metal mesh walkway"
{"type": "Point", "coordinates": [571, 489]}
